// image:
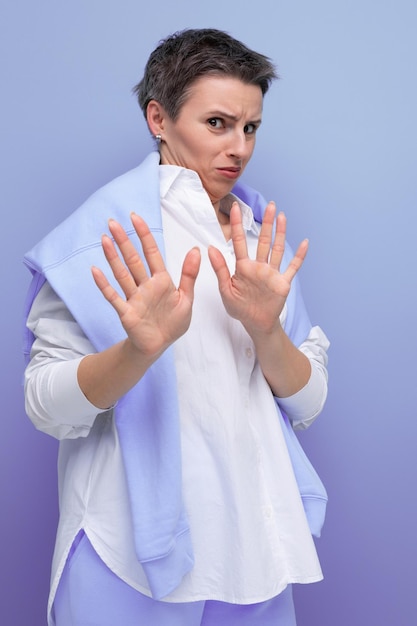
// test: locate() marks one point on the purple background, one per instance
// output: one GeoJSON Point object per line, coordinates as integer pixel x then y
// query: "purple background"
{"type": "Point", "coordinates": [337, 151]}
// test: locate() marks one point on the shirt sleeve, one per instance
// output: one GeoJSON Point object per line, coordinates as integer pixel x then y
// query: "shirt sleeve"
{"type": "Point", "coordinates": [54, 400]}
{"type": "Point", "coordinates": [303, 407]}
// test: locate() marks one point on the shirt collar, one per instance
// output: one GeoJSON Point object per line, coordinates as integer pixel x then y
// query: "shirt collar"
{"type": "Point", "coordinates": [168, 174]}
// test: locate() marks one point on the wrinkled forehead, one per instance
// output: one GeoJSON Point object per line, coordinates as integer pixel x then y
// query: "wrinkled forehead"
{"type": "Point", "coordinates": [220, 91]}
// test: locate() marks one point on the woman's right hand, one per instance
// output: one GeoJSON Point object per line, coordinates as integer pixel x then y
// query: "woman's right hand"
{"type": "Point", "coordinates": [154, 312]}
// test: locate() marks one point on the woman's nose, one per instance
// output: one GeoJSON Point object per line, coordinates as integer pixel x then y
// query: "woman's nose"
{"type": "Point", "coordinates": [238, 145]}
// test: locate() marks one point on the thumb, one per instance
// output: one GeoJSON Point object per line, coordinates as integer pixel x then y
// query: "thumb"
{"type": "Point", "coordinates": [189, 272]}
{"type": "Point", "coordinates": [219, 265]}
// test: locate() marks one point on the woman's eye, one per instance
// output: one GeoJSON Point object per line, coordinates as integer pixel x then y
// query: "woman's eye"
{"type": "Point", "coordinates": [215, 122]}
{"type": "Point", "coordinates": [250, 129]}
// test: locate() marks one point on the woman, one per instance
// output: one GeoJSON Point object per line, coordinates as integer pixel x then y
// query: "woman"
{"type": "Point", "coordinates": [184, 496]}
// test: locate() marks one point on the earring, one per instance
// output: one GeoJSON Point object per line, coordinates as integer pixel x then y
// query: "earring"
{"type": "Point", "coordinates": [158, 139]}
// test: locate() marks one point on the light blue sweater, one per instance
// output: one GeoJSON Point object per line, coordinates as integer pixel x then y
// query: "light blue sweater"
{"type": "Point", "coordinates": [147, 416]}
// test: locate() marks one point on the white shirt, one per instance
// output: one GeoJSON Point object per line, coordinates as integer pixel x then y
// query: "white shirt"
{"type": "Point", "coordinates": [248, 527]}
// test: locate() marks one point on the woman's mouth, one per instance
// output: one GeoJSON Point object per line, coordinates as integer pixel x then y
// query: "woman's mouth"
{"type": "Point", "coordinates": [230, 172]}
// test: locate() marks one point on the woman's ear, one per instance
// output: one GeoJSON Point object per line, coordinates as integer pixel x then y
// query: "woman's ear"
{"type": "Point", "coordinates": [155, 116]}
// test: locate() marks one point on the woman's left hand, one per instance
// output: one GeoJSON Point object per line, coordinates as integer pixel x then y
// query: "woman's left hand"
{"type": "Point", "coordinates": [257, 291]}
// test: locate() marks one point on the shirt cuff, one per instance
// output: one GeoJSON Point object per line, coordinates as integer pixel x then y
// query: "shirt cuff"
{"type": "Point", "coordinates": [303, 407]}
{"type": "Point", "coordinates": [56, 404]}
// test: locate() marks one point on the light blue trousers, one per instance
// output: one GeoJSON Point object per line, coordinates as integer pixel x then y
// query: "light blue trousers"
{"type": "Point", "coordinates": [89, 594]}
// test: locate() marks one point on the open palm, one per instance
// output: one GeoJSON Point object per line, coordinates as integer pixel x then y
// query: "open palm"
{"type": "Point", "coordinates": [154, 312]}
{"type": "Point", "coordinates": [256, 293]}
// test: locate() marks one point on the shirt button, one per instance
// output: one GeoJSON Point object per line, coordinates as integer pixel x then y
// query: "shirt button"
{"type": "Point", "coordinates": [268, 512]}
{"type": "Point", "coordinates": [249, 352]}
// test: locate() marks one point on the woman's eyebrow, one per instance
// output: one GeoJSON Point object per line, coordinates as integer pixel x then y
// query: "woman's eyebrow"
{"type": "Point", "coordinates": [230, 116]}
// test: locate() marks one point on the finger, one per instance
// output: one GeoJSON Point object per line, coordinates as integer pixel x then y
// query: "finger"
{"type": "Point", "coordinates": [131, 256]}
{"type": "Point", "coordinates": [149, 246]}
{"type": "Point", "coordinates": [219, 266]}
{"type": "Point", "coordinates": [237, 232]}
{"type": "Point", "coordinates": [297, 260]}
{"type": "Point", "coordinates": [123, 276]}
{"type": "Point", "coordinates": [265, 236]}
{"type": "Point", "coordinates": [189, 273]}
{"type": "Point", "coordinates": [278, 247]}
{"type": "Point", "coordinates": [108, 291]}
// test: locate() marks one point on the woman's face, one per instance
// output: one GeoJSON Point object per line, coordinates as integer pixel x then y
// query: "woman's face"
{"type": "Point", "coordinates": [214, 133]}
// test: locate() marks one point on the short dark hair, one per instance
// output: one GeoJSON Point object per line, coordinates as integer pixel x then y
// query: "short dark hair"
{"type": "Point", "coordinates": [182, 58]}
